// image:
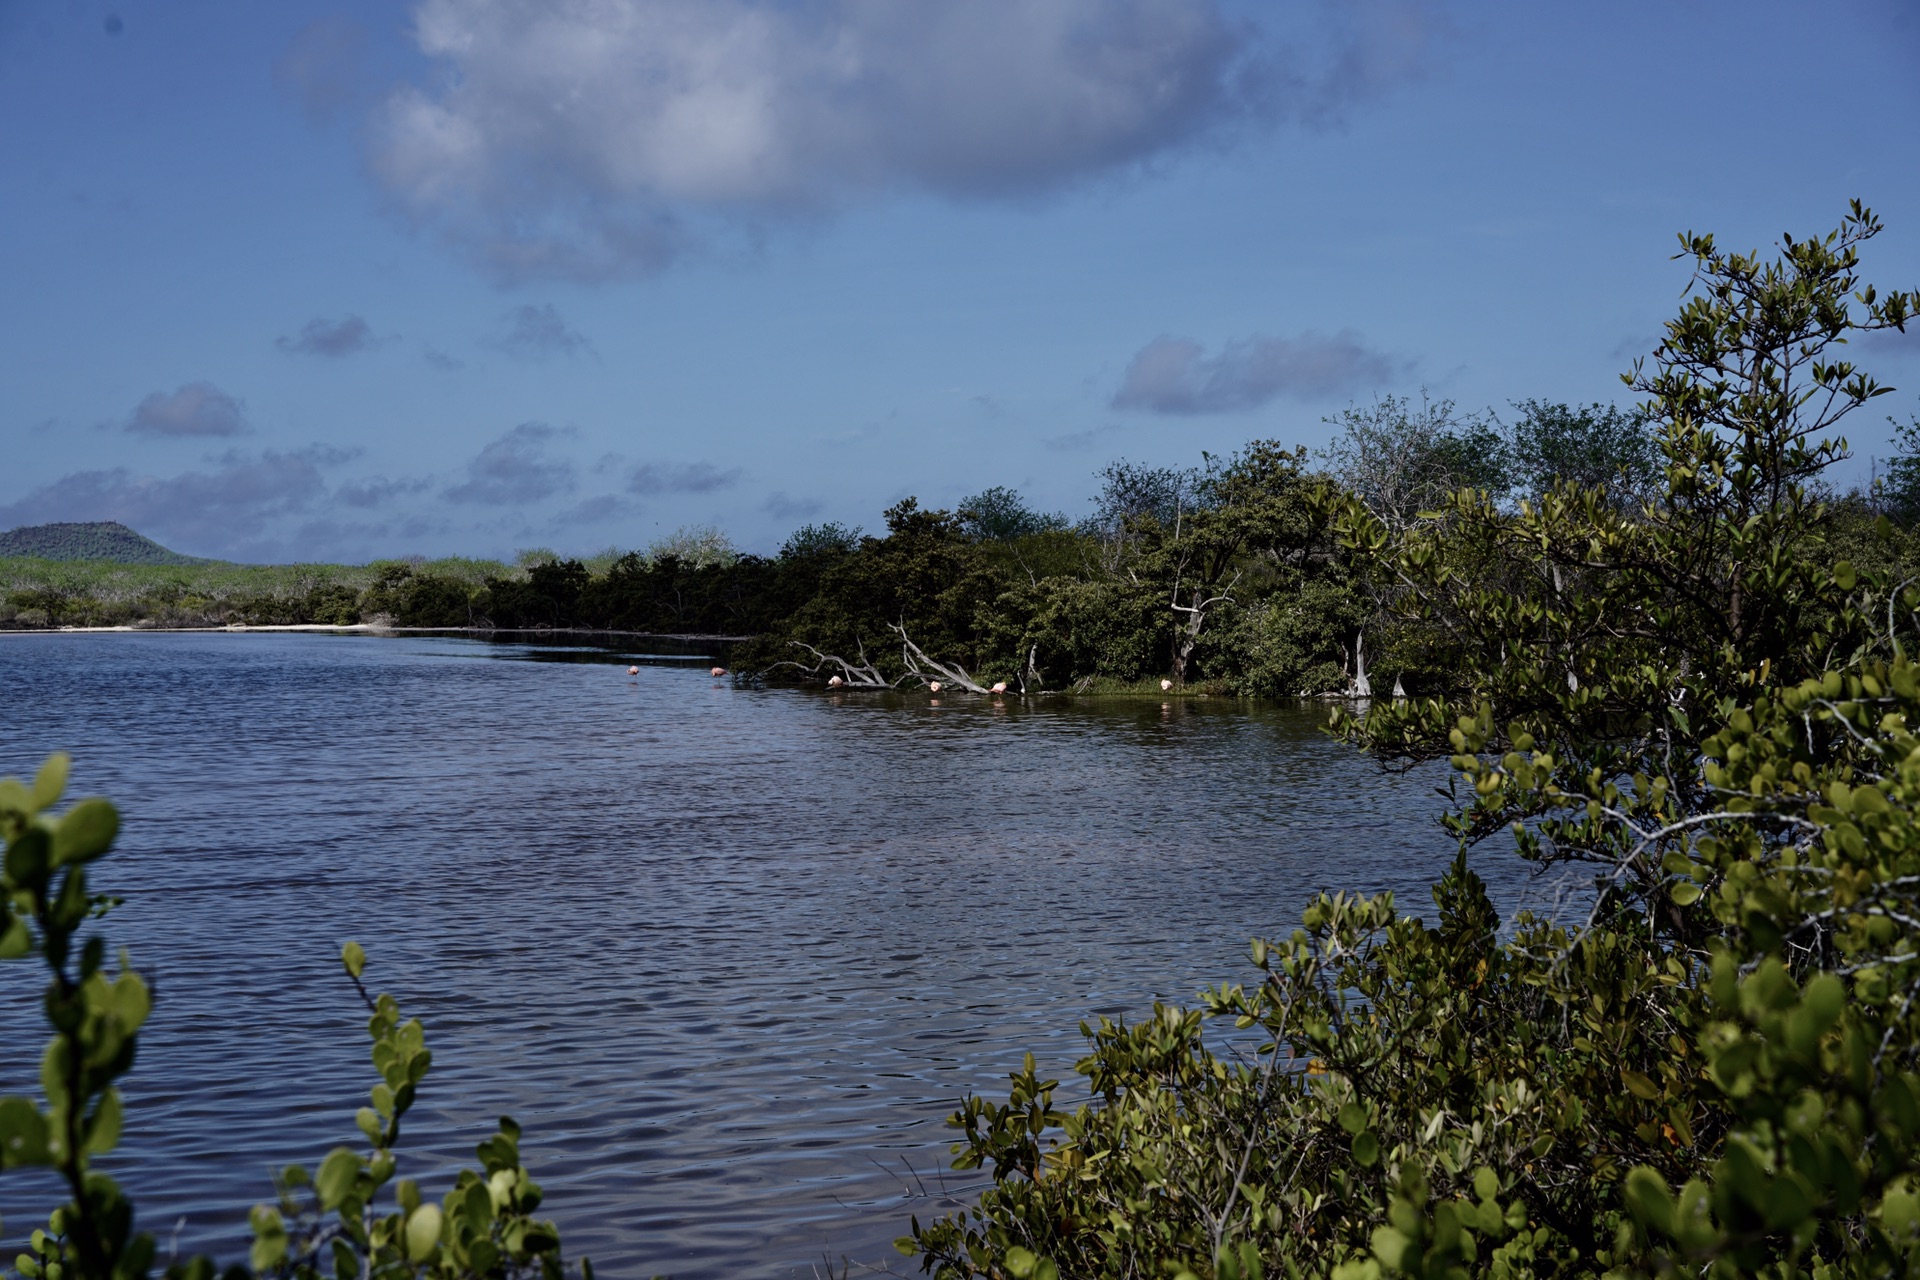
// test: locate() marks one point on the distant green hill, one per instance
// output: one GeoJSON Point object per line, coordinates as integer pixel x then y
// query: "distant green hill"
{"type": "Point", "coordinates": [88, 540]}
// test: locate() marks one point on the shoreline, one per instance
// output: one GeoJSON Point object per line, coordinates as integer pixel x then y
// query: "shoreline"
{"type": "Point", "coordinates": [368, 628]}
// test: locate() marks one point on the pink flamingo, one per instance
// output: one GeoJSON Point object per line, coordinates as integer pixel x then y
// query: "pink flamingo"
{"type": "Point", "coordinates": [633, 671]}
{"type": "Point", "coordinates": [933, 686]}
{"type": "Point", "coordinates": [835, 683]}
{"type": "Point", "coordinates": [1165, 685]}
{"type": "Point", "coordinates": [718, 672]}
{"type": "Point", "coordinates": [999, 686]}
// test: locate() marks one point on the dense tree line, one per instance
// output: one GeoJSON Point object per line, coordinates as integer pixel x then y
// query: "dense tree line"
{"type": "Point", "coordinates": [1233, 575]}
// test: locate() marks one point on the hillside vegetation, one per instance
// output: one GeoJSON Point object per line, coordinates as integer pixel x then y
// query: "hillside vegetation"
{"type": "Point", "coordinates": [104, 540]}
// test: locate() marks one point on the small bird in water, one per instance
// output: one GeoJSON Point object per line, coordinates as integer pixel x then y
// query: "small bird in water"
{"type": "Point", "coordinates": [633, 671]}
{"type": "Point", "coordinates": [835, 683]}
{"type": "Point", "coordinates": [719, 671]}
{"type": "Point", "coordinates": [933, 686]}
{"type": "Point", "coordinates": [999, 686]}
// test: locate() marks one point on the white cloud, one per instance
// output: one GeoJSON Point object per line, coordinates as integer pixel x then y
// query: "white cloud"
{"type": "Point", "coordinates": [377, 491]}
{"type": "Point", "coordinates": [586, 137]}
{"type": "Point", "coordinates": [335, 338]}
{"type": "Point", "coordinates": [1176, 376]}
{"type": "Point", "coordinates": [782, 507]}
{"type": "Point", "coordinates": [536, 333]}
{"type": "Point", "coordinates": [689, 477]}
{"type": "Point", "coordinates": [596, 510]}
{"type": "Point", "coordinates": [197, 409]}
{"type": "Point", "coordinates": [515, 469]}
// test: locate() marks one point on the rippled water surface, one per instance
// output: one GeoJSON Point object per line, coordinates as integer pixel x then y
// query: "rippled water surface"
{"type": "Point", "coordinates": [729, 955]}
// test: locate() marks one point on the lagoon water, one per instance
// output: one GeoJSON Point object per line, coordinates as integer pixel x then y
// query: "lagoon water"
{"type": "Point", "coordinates": [729, 955]}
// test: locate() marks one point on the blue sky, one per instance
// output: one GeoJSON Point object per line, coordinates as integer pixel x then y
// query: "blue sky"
{"type": "Point", "coordinates": [312, 281]}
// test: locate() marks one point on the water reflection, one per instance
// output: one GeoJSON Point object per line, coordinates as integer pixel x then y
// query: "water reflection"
{"type": "Point", "coordinates": [730, 954]}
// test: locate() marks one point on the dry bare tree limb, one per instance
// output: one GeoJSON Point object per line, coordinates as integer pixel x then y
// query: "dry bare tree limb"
{"type": "Point", "coordinates": [916, 658]}
{"type": "Point", "coordinates": [1030, 675]}
{"type": "Point", "coordinates": [863, 675]}
{"type": "Point", "coordinates": [1362, 686]}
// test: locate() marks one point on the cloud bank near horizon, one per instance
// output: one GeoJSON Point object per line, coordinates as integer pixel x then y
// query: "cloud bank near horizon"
{"type": "Point", "coordinates": [228, 505]}
{"type": "Point", "coordinates": [298, 504]}
{"type": "Point", "coordinates": [590, 140]}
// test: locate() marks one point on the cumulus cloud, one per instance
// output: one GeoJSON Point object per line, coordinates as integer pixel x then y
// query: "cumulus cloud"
{"type": "Point", "coordinates": [594, 510]}
{"type": "Point", "coordinates": [324, 66]}
{"type": "Point", "coordinates": [334, 338]}
{"type": "Point", "coordinates": [206, 512]}
{"type": "Point", "coordinates": [325, 537]}
{"type": "Point", "coordinates": [585, 139]}
{"type": "Point", "coordinates": [378, 490]}
{"type": "Point", "coordinates": [197, 409]}
{"type": "Point", "coordinates": [689, 477]}
{"type": "Point", "coordinates": [538, 333]}
{"type": "Point", "coordinates": [781, 507]}
{"type": "Point", "coordinates": [1176, 376]}
{"type": "Point", "coordinates": [515, 469]}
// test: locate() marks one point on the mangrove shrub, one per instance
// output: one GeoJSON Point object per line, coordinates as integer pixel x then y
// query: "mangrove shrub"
{"type": "Point", "coordinates": [1712, 1067]}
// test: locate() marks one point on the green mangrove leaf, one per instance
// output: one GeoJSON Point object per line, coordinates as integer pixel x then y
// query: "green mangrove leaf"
{"type": "Point", "coordinates": [51, 782]}
{"type": "Point", "coordinates": [423, 1232]}
{"type": "Point", "coordinates": [85, 832]}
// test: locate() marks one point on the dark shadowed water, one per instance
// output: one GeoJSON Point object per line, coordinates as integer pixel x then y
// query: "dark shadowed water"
{"type": "Point", "coordinates": [730, 956]}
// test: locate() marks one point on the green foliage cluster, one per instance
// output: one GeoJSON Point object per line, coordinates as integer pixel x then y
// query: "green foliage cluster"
{"type": "Point", "coordinates": [1227, 577]}
{"type": "Point", "coordinates": [1715, 1072]}
{"type": "Point", "coordinates": [1897, 494]}
{"type": "Point", "coordinates": [87, 540]}
{"type": "Point", "coordinates": [38, 593]}
{"type": "Point", "coordinates": [349, 1218]}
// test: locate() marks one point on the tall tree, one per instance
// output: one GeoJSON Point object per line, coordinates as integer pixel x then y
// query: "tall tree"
{"type": "Point", "coordinates": [1597, 446]}
{"type": "Point", "coordinates": [1400, 459]}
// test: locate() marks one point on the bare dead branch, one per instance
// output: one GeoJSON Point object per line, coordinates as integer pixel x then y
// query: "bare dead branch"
{"type": "Point", "coordinates": [863, 675]}
{"type": "Point", "coordinates": [917, 663]}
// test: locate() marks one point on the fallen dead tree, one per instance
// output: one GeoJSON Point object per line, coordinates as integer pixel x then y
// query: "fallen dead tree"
{"type": "Point", "coordinates": [920, 665]}
{"type": "Point", "coordinates": [861, 675]}
{"type": "Point", "coordinates": [942, 672]}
